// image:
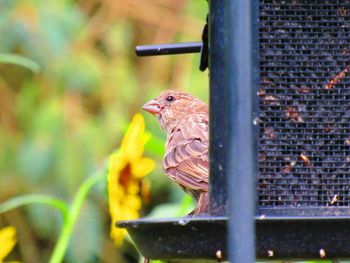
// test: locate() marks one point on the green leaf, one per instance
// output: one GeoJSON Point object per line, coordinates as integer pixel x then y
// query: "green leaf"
{"type": "Point", "coordinates": [66, 233]}
{"type": "Point", "coordinates": [155, 146]}
{"type": "Point", "coordinates": [187, 205]}
{"type": "Point", "coordinates": [20, 61]}
{"type": "Point", "coordinates": [173, 209]}
{"type": "Point", "coordinates": [34, 159]}
{"type": "Point", "coordinates": [86, 241]}
{"type": "Point", "coordinates": [165, 211]}
{"type": "Point", "coordinates": [18, 201]}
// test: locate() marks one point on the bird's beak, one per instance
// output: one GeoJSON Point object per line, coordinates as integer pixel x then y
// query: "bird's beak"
{"type": "Point", "coordinates": [152, 107]}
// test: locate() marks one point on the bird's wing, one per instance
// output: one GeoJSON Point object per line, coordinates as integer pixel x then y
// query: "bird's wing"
{"type": "Point", "coordinates": [186, 159]}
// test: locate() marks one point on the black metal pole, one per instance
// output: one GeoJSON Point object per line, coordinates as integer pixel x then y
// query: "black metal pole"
{"type": "Point", "coordinates": [168, 49]}
{"type": "Point", "coordinates": [240, 30]}
{"type": "Point", "coordinates": [219, 118]}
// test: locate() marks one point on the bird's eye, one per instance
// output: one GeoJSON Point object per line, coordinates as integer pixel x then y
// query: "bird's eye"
{"type": "Point", "coordinates": [170, 98]}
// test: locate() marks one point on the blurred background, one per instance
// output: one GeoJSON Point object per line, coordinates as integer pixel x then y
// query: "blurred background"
{"type": "Point", "coordinates": [58, 125]}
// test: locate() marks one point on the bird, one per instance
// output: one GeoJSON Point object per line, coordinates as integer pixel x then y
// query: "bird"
{"type": "Point", "coordinates": [185, 120]}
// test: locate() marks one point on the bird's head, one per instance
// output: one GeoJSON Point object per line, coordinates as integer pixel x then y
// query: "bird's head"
{"type": "Point", "coordinates": [171, 107]}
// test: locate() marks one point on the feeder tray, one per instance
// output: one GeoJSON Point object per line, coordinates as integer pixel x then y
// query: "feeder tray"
{"type": "Point", "coordinates": [277, 238]}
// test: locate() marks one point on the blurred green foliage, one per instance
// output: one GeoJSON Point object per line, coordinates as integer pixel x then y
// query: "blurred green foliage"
{"type": "Point", "coordinates": [69, 84]}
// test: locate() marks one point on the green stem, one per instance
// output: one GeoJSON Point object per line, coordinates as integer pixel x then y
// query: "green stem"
{"type": "Point", "coordinates": [63, 240]}
{"type": "Point", "coordinates": [18, 201]}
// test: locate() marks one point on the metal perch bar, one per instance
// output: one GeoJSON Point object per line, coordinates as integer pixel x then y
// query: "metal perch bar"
{"type": "Point", "coordinates": [168, 49]}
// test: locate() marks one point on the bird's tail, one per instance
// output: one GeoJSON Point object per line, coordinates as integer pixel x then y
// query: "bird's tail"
{"type": "Point", "coordinates": [203, 204]}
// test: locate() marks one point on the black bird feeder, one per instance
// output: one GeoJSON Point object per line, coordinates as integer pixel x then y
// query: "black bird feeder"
{"type": "Point", "coordinates": [279, 136]}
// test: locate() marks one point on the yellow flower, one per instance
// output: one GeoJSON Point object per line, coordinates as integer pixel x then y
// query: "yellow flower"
{"type": "Point", "coordinates": [7, 241]}
{"type": "Point", "coordinates": [127, 167]}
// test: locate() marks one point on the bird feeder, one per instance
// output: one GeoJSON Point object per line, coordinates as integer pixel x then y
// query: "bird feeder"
{"type": "Point", "coordinates": [279, 136]}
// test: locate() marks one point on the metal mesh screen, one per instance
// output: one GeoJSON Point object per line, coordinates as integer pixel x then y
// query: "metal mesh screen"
{"type": "Point", "coordinates": [304, 103]}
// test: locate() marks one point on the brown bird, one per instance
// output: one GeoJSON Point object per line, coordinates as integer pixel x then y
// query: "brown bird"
{"type": "Point", "coordinates": [185, 120]}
